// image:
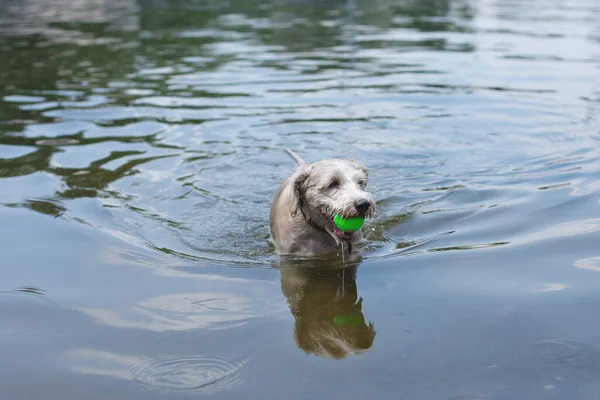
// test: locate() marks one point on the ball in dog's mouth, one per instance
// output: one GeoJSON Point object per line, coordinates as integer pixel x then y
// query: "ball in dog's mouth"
{"type": "Point", "coordinates": [343, 236]}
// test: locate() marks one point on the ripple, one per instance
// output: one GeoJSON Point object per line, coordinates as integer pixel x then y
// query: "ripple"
{"type": "Point", "coordinates": [187, 154]}
{"type": "Point", "coordinates": [23, 99]}
{"type": "Point", "coordinates": [186, 311]}
{"type": "Point", "coordinates": [56, 142]}
{"type": "Point", "coordinates": [188, 374]}
{"type": "Point", "coordinates": [557, 351]}
{"type": "Point", "coordinates": [24, 312]}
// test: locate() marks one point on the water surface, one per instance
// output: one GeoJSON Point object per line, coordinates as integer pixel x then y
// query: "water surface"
{"type": "Point", "coordinates": [140, 146]}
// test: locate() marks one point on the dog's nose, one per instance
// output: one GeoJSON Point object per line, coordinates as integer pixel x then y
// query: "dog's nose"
{"type": "Point", "coordinates": [362, 206]}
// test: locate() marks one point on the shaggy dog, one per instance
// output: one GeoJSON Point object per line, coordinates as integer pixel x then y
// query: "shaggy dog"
{"type": "Point", "coordinates": [303, 208]}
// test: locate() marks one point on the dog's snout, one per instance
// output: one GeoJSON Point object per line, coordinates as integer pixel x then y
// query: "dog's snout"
{"type": "Point", "coordinates": [362, 206]}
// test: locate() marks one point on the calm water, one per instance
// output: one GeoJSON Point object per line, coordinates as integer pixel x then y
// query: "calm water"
{"type": "Point", "coordinates": [140, 146]}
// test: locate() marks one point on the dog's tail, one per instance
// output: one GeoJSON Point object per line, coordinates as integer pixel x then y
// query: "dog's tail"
{"type": "Point", "coordinates": [295, 157]}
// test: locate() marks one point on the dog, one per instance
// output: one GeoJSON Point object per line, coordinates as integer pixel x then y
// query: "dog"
{"type": "Point", "coordinates": [302, 211]}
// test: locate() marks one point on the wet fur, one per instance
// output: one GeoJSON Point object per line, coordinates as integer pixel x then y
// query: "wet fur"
{"type": "Point", "coordinates": [307, 189]}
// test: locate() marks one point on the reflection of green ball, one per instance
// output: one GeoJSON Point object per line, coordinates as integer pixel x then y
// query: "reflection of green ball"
{"type": "Point", "coordinates": [350, 224]}
{"type": "Point", "coordinates": [353, 320]}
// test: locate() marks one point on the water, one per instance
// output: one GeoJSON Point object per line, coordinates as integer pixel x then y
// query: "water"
{"type": "Point", "coordinates": [140, 146]}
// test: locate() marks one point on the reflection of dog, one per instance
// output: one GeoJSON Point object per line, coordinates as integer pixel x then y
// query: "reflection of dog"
{"type": "Point", "coordinates": [329, 319]}
{"type": "Point", "coordinates": [304, 206]}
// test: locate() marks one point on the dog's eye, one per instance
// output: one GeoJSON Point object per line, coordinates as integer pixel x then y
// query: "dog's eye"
{"type": "Point", "coordinates": [334, 184]}
{"type": "Point", "coordinates": [362, 183]}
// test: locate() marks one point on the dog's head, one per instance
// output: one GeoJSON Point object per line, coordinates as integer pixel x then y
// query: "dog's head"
{"type": "Point", "coordinates": [333, 186]}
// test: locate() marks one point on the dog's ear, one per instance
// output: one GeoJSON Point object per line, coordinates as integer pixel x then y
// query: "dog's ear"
{"type": "Point", "coordinates": [300, 183]}
{"type": "Point", "coordinates": [360, 166]}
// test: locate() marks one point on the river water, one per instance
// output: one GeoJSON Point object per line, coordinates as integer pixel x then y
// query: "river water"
{"type": "Point", "coordinates": [141, 143]}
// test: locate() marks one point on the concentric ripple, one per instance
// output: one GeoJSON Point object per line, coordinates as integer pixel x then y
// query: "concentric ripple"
{"type": "Point", "coordinates": [188, 374]}
{"type": "Point", "coordinates": [557, 351]}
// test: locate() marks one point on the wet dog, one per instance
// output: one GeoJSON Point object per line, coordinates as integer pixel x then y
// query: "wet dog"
{"type": "Point", "coordinates": [303, 208]}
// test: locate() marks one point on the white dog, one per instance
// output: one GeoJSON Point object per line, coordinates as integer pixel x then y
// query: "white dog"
{"type": "Point", "coordinates": [304, 206]}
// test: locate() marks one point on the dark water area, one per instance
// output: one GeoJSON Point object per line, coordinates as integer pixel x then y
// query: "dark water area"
{"type": "Point", "coordinates": [140, 147]}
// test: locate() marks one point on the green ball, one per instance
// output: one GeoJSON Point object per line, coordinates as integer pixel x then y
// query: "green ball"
{"type": "Point", "coordinates": [350, 224]}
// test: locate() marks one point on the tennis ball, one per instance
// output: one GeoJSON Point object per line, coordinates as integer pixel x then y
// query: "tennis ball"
{"type": "Point", "coordinates": [350, 224]}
